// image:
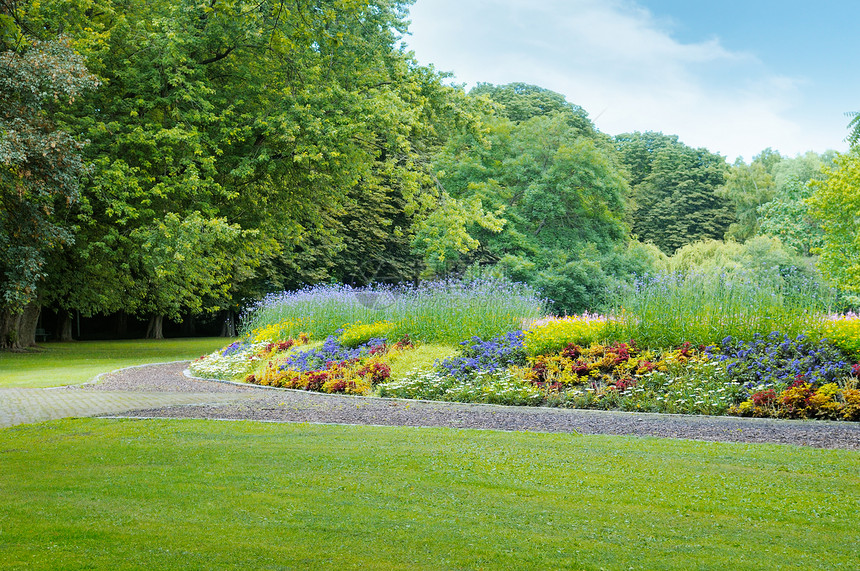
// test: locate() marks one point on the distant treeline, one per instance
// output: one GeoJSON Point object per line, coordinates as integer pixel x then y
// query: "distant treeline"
{"type": "Point", "coordinates": [171, 159]}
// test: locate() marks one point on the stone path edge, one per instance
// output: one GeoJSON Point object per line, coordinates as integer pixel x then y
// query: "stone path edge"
{"type": "Point", "coordinates": [170, 390]}
{"type": "Point", "coordinates": [538, 409]}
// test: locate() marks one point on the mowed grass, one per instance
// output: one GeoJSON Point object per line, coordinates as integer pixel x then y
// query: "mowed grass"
{"type": "Point", "coordinates": [78, 362]}
{"type": "Point", "coordinates": [122, 494]}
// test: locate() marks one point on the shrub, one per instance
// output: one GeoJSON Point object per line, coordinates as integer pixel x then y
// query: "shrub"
{"type": "Point", "coordinates": [844, 332]}
{"type": "Point", "coordinates": [554, 334]}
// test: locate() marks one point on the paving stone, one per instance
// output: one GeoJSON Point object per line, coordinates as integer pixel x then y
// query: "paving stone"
{"type": "Point", "coordinates": [24, 406]}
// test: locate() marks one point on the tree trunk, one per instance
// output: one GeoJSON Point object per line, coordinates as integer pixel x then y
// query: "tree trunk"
{"type": "Point", "coordinates": [28, 325]}
{"type": "Point", "coordinates": [64, 326]}
{"type": "Point", "coordinates": [9, 323]}
{"type": "Point", "coordinates": [154, 329]}
{"type": "Point", "coordinates": [18, 330]}
{"type": "Point", "coordinates": [228, 328]}
{"type": "Point", "coordinates": [121, 324]}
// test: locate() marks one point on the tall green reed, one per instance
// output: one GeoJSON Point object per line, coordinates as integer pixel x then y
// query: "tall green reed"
{"type": "Point", "coordinates": [444, 312]}
{"type": "Point", "coordinates": [668, 309]}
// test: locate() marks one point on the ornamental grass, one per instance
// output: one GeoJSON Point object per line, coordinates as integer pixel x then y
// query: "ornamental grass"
{"type": "Point", "coordinates": [665, 310]}
{"type": "Point", "coordinates": [439, 311]}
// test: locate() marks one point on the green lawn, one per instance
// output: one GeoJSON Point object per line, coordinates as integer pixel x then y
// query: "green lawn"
{"type": "Point", "coordinates": [112, 494]}
{"type": "Point", "coordinates": [72, 363]}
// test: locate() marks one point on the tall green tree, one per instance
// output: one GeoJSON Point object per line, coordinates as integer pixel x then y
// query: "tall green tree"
{"type": "Point", "coordinates": [385, 230]}
{"type": "Point", "coordinates": [786, 216]}
{"type": "Point", "coordinates": [552, 183]}
{"type": "Point", "coordinates": [521, 101]}
{"type": "Point", "coordinates": [836, 203]}
{"type": "Point", "coordinates": [300, 125]}
{"type": "Point", "coordinates": [674, 190]}
{"type": "Point", "coordinates": [748, 187]}
{"type": "Point", "coordinates": [187, 261]}
{"type": "Point", "coordinates": [40, 167]}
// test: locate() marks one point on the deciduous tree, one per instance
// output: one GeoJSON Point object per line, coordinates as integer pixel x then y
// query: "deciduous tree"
{"type": "Point", "coordinates": [786, 216]}
{"type": "Point", "coordinates": [836, 203]}
{"type": "Point", "coordinates": [747, 187]}
{"type": "Point", "coordinates": [675, 200]}
{"type": "Point", "coordinates": [300, 122]}
{"type": "Point", "coordinates": [40, 166]}
{"type": "Point", "coordinates": [553, 182]}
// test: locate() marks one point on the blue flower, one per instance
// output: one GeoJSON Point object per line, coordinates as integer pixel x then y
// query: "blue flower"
{"type": "Point", "coordinates": [780, 359]}
{"type": "Point", "coordinates": [487, 356]}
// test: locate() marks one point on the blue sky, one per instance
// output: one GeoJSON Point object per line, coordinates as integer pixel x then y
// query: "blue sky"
{"type": "Point", "coordinates": [735, 77]}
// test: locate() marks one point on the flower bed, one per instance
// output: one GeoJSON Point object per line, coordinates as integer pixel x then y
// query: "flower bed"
{"type": "Point", "coordinates": [239, 359]}
{"type": "Point", "coordinates": [332, 367]}
{"type": "Point", "coordinates": [570, 363]}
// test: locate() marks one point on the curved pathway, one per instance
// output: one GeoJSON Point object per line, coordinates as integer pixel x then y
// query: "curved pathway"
{"type": "Point", "coordinates": [163, 391]}
{"type": "Point", "coordinates": [24, 406]}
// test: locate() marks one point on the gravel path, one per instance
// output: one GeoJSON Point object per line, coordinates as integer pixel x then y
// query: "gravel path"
{"type": "Point", "coordinates": [163, 377]}
{"type": "Point", "coordinates": [281, 405]}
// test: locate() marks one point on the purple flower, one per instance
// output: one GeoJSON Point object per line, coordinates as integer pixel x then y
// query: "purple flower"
{"type": "Point", "coordinates": [485, 356]}
{"type": "Point", "coordinates": [779, 359]}
{"type": "Point", "coordinates": [330, 352]}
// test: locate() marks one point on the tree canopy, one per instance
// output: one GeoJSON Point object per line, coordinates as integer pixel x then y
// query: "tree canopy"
{"type": "Point", "coordinates": [301, 128]}
{"type": "Point", "coordinates": [166, 159]}
{"type": "Point", "coordinates": [836, 203]}
{"type": "Point", "coordinates": [551, 181]}
{"type": "Point", "coordinates": [40, 166]}
{"type": "Point", "coordinates": [674, 190]}
{"type": "Point", "coordinates": [748, 187]}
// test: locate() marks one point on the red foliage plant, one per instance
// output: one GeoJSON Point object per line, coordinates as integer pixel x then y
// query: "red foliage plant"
{"type": "Point", "coordinates": [763, 398]}
{"type": "Point", "coordinates": [625, 383]}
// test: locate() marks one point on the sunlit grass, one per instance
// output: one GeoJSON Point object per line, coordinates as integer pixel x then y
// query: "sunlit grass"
{"type": "Point", "coordinates": [59, 364]}
{"type": "Point", "coordinates": [111, 494]}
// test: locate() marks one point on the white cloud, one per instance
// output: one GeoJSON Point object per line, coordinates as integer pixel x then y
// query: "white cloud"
{"type": "Point", "coordinates": [620, 63]}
